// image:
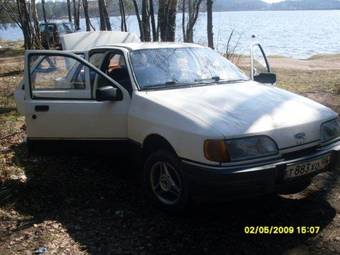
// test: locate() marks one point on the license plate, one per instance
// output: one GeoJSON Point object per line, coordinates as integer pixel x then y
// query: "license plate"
{"type": "Point", "coordinates": [307, 167]}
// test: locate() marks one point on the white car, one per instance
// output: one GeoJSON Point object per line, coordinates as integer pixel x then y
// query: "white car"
{"type": "Point", "coordinates": [201, 127]}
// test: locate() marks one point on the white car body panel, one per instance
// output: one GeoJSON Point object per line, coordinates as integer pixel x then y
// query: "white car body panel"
{"type": "Point", "coordinates": [78, 119]}
{"type": "Point", "coordinates": [191, 115]}
{"type": "Point", "coordinates": [185, 132]}
{"type": "Point", "coordinates": [185, 117]}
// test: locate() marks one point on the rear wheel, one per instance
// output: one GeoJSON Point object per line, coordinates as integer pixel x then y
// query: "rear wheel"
{"type": "Point", "coordinates": [164, 182]}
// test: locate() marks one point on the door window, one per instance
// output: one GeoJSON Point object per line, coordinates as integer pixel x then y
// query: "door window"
{"type": "Point", "coordinates": [54, 76]}
{"type": "Point", "coordinates": [113, 63]}
{"type": "Point", "coordinates": [114, 66]}
{"type": "Point", "coordinates": [62, 76]}
{"type": "Point", "coordinates": [259, 61]}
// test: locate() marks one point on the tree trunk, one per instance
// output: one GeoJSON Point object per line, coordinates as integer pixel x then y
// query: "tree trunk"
{"type": "Point", "coordinates": [193, 12]}
{"type": "Point", "coordinates": [183, 20]}
{"type": "Point", "coordinates": [86, 14]}
{"type": "Point", "coordinates": [75, 14]}
{"type": "Point", "coordinates": [35, 19]}
{"type": "Point", "coordinates": [167, 19]}
{"type": "Point", "coordinates": [190, 31]}
{"type": "Point", "coordinates": [106, 16]}
{"type": "Point", "coordinates": [123, 26]}
{"type": "Point", "coordinates": [146, 20]}
{"type": "Point", "coordinates": [25, 23]}
{"type": "Point", "coordinates": [162, 19]}
{"type": "Point", "coordinates": [69, 10]}
{"type": "Point", "coordinates": [77, 17]}
{"type": "Point", "coordinates": [101, 15]}
{"type": "Point", "coordinates": [153, 22]}
{"type": "Point", "coordinates": [43, 10]}
{"type": "Point", "coordinates": [172, 11]}
{"type": "Point", "coordinates": [210, 24]}
{"type": "Point", "coordinates": [139, 20]}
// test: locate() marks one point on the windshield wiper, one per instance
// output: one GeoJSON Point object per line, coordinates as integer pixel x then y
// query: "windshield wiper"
{"type": "Point", "coordinates": [231, 81]}
{"type": "Point", "coordinates": [168, 84]}
{"type": "Point", "coordinates": [209, 80]}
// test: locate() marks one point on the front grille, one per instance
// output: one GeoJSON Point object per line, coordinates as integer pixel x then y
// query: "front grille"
{"type": "Point", "coordinates": [300, 153]}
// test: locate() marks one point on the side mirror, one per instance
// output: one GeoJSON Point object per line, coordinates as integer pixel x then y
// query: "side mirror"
{"type": "Point", "coordinates": [109, 93]}
{"type": "Point", "coordinates": [265, 78]}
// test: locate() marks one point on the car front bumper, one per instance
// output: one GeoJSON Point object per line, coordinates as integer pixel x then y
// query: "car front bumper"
{"type": "Point", "coordinates": [212, 182]}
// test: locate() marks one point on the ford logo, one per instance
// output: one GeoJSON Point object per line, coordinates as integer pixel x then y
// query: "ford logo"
{"type": "Point", "coordinates": [300, 138]}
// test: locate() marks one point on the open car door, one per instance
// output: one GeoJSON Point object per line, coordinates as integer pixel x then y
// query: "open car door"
{"type": "Point", "coordinates": [260, 68]}
{"type": "Point", "coordinates": [64, 101]}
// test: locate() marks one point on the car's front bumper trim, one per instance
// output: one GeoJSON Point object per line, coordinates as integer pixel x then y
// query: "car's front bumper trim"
{"type": "Point", "coordinates": [256, 178]}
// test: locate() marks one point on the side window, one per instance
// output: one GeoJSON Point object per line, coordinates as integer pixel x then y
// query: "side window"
{"type": "Point", "coordinates": [61, 28]}
{"type": "Point", "coordinates": [96, 59]}
{"type": "Point", "coordinates": [54, 76]}
{"type": "Point", "coordinates": [114, 65]}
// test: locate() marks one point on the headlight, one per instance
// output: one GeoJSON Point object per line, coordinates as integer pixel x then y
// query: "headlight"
{"type": "Point", "coordinates": [239, 149]}
{"type": "Point", "coordinates": [330, 130]}
{"type": "Point", "coordinates": [216, 150]}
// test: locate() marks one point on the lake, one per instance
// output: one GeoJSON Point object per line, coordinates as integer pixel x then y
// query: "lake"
{"type": "Point", "coordinates": [298, 34]}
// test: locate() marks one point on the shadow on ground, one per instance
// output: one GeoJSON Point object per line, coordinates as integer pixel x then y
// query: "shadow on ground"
{"type": "Point", "coordinates": [104, 211]}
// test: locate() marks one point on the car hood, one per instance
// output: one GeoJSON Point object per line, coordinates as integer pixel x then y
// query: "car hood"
{"type": "Point", "coordinates": [249, 108]}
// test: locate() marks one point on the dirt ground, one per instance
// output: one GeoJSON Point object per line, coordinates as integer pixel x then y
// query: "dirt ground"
{"type": "Point", "coordinates": [79, 205]}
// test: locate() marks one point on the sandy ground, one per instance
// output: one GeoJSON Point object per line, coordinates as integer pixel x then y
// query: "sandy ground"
{"type": "Point", "coordinates": [325, 62]}
{"type": "Point", "coordinates": [79, 205]}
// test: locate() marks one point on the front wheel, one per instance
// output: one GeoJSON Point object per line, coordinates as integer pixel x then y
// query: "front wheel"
{"type": "Point", "coordinates": [164, 182]}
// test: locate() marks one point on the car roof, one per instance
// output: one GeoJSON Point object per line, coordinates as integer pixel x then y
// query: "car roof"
{"type": "Point", "coordinates": [150, 45]}
{"type": "Point", "coordinates": [85, 41]}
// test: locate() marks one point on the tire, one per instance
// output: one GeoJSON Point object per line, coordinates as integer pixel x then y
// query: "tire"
{"type": "Point", "coordinates": [164, 182]}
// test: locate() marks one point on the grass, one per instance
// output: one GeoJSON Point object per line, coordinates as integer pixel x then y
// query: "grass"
{"type": "Point", "coordinates": [310, 81]}
{"type": "Point", "coordinates": [11, 49]}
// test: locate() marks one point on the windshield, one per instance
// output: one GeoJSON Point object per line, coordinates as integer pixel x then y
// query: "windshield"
{"type": "Point", "coordinates": [68, 27]}
{"type": "Point", "coordinates": [175, 67]}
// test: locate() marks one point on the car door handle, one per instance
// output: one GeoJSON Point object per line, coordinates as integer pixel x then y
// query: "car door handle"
{"type": "Point", "coordinates": [41, 108]}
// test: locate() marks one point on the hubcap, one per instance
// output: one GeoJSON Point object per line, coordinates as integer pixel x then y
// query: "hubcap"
{"type": "Point", "coordinates": [166, 182]}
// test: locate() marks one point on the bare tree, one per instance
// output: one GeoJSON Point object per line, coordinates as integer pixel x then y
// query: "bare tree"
{"type": "Point", "coordinates": [123, 26]}
{"type": "Point", "coordinates": [139, 20]}
{"type": "Point", "coordinates": [35, 18]}
{"type": "Point", "coordinates": [25, 24]}
{"type": "Point", "coordinates": [106, 16]}
{"type": "Point", "coordinates": [43, 10]}
{"type": "Point", "coordinates": [76, 6]}
{"type": "Point", "coordinates": [69, 10]}
{"type": "Point", "coordinates": [103, 16]}
{"type": "Point", "coordinates": [102, 21]}
{"type": "Point", "coordinates": [86, 14]}
{"type": "Point", "coordinates": [193, 12]}
{"type": "Point", "coordinates": [146, 20]}
{"type": "Point", "coordinates": [183, 18]}
{"type": "Point", "coordinates": [210, 24]}
{"type": "Point", "coordinates": [230, 52]}
{"type": "Point", "coordinates": [17, 11]}
{"type": "Point", "coordinates": [153, 22]}
{"type": "Point", "coordinates": [167, 19]}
